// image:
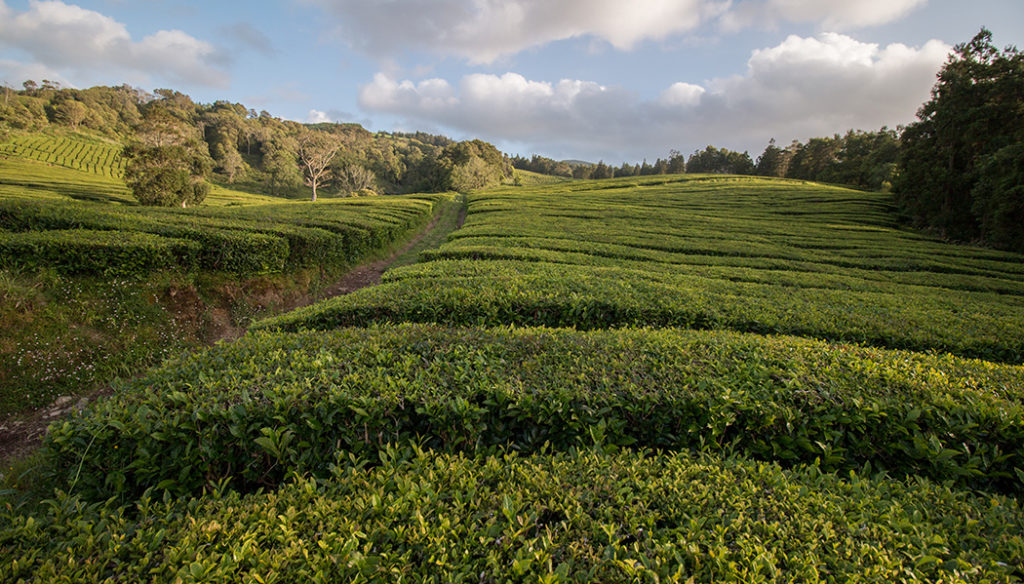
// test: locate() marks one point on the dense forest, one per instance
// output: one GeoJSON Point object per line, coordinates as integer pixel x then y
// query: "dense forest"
{"type": "Point", "coordinates": [235, 145]}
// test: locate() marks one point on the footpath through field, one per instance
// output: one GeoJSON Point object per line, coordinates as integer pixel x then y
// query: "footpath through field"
{"type": "Point", "coordinates": [450, 218]}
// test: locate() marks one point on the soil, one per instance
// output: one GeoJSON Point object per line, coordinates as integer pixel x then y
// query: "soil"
{"type": "Point", "coordinates": [22, 433]}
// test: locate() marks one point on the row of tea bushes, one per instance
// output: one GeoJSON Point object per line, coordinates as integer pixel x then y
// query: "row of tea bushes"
{"type": "Point", "coordinates": [755, 255]}
{"type": "Point", "coordinates": [582, 516]}
{"type": "Point", "coordinates": [243, 240]}
{"type": "Point", "coordinates": [79, 153]}
{"type": "Point", "coordinates": [83, 251]}
{"type": "Point", "coordinates": [252, 412]}
{"type": "Point", "coordinates": [498, 292]}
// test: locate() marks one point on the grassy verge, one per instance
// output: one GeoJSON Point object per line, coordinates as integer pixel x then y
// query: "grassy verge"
{"type": "Point", "coordinates": [447, 222]}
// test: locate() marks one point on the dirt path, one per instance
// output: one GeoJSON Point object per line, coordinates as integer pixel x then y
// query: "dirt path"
{"type": "Point", "coordinates": [370, 274]}
{"type": "Point", "coordinates": [22, 434]}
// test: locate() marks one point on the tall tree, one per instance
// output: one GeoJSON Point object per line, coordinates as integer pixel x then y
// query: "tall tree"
{"type": "Point", "coordinates": [167, 165]}
{"type": "Point", "coordinates": [956, 170]}
{"type": "Point", "coordinates": [772, 162]}
{"type": "Point", "coordinates": [676, 162]}
{"type": "Point", "coordinates": [173, 175]}
{"type": "Point", "coordinates": [316, 151]}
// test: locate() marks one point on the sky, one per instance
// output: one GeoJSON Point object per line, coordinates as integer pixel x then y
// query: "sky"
{"type": "Point", "coordinates": [610, 80]}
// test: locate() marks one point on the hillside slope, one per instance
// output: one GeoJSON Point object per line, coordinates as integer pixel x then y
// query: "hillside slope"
{"type": "Point", "coordinates": [534, 403]}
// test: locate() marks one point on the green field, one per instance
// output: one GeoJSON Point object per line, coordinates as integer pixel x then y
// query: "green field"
{"type": "Point", "coordinates": [95, 286]}
{"type": "Point", "coordinates": [754, 255]}
{"type": "Point", "coordinates": [684, 378]}
{"type": "Point", "coordinates": [78, 152]}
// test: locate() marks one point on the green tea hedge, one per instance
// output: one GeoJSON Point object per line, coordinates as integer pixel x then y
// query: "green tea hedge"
{"type": "Point", "coordinates": [251, 412]}
{"type": "Point", "coordinates": [495, 293]}
{"type": "Point", "coordinates": [83, 251]}
{"type": "Point", "coordinates": [746, 254]}
{"type": "Point", "coordinates": [567, 517]}
{"type": "Point", "coordinates": [250, 240]}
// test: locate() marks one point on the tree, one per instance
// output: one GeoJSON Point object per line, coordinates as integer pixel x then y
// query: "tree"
{"type": "Point", "coordinates": [602, 171]}
{"type": "Point", "coordinates": [316, 151]}
{"type": "Point", "coordinates": [816, 160]}
{"type": "Point", "coordinates": [720, 161]}
{"type": "Point", "coordinates": [956, 170]}
{"type": "Point", "coordinates": [469, 165]}
{"type": "Point", "coordinates": [356, 177]}
{"type": "Point", "coordinates": [999, 198]}
{"type": "Point", "coordinates": [772, 162]}
{"type": "Point", "coordinates": [676, 162]}
{"type": "Point", "coordinates": [280, 163]}
{"type": "Point", "coordinates": [71, 113]}
{"type": "Point", "coordinates": [167, 165]}
{"type": "Point", "coordinates": [166, 175]}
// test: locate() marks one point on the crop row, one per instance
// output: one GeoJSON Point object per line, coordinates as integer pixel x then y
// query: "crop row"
{"type": "Point", "coordinates": [82, 251]}
{"type": "Point", "coordinates": [749, 255]}
{"type": "Point", "coordinates": [494, 293]}
{"type": "Point", "coordinates": [248, 241]}
{"type": "Point", "coordinates": [587, 516]}
{"type": "Point", "coordinates": [251, 413]}
{"type": "Point", "coordinates": [89, 156]}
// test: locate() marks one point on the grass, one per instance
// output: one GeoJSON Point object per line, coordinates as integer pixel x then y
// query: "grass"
{"type": "Point", "coordinates": [448, 221]}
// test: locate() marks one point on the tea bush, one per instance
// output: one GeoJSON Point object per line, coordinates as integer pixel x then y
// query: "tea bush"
{"type": "Point", "coordinates": [83, 251]}
{"type": "Point", "coordinates": [252, 412]}
{"type": "Point", "coordinates": [585, 516]}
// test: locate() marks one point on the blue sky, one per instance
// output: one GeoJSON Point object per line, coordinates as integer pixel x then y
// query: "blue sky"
{"type": "Point", "coordinates": [591, 79]}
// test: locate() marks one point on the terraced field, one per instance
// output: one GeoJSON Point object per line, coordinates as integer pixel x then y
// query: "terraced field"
{"type": "Point", "coordinates": [706, 379]}
{"type": "Point", "coordinates": [77, 152]}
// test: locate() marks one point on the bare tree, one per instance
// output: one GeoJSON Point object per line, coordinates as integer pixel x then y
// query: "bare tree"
{"type": "Point", "coordinates": [357, 177]}
{"type": "Point", "coordinates": [316, 151]}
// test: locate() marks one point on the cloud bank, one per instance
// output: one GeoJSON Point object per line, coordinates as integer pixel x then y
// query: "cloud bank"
{"type": "Point", "coordinates": [800, 88]}
{"type": "Point", "coordinates": [85, 43]}
{"type": "Point", "coordinates": [482, 31]}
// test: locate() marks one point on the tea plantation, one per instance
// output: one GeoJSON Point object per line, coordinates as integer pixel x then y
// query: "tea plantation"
{"type": "Point", "coordinates": [95, 286]}
{"type": "Point", "coordinates": [754, 255]}
{"type": "Point", "coordinates": [673, 379]}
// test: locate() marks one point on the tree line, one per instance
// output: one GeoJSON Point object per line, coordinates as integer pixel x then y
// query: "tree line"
{"type": "Point", "coordinates": [175, 145]}
{"type": "Point", "coordinates": [858, 159]}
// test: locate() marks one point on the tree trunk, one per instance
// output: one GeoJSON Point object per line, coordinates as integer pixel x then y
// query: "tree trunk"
{"type": "Point", "coordinates": [314, 191]}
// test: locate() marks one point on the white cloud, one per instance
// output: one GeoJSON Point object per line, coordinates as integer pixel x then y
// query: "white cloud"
{"type": "Point", "coordinates": [83, 42]}
{"type": "Point", "coordinates": [830, 14]}
{"type": "Point", "coordinates": [316, 116]}
{"type": "Point", "coordinates": [482, 31]}
{"type": "Point", "coordinates": [681, 94]}
{"type": "Point", "coordinates": [801, 88]}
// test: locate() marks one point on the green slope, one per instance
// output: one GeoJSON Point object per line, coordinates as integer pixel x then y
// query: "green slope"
{"type": "Point", "coordinates": [757, 255]}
